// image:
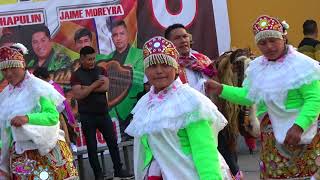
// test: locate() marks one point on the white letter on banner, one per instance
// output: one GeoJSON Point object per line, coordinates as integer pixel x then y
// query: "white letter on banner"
{"type": "Point", "coordinates": [188, 9]}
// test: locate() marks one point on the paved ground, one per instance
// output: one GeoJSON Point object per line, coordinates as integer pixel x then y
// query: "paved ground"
{"type": "Point", "coordinates": [109, 167]}
{"type": "Point", "coordinates": [248, 164]}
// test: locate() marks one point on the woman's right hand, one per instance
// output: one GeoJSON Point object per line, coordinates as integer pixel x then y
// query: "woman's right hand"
{"type": "Point", "coordinates": [18, 121]}
{"type": "Point", "coordinates": [213, 87]}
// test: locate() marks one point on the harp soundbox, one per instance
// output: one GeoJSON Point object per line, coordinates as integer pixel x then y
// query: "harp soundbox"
{"type": "Point", "coordinates": [120, 77]}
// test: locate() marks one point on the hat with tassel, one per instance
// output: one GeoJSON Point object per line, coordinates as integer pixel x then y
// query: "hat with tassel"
{"type": "Point", "coordinates": [12, 56]}
{"type": "Point", "coordinates": [159, 50]}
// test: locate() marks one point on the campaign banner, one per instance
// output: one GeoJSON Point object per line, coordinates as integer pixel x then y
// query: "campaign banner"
{"type": "Point", "coordinates": [54, 31]}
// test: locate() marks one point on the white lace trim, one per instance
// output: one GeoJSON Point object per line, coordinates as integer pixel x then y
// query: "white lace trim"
{"type": "Point", "coordinates": [173, 108]}
{"type": "Point", "coordinates": [21, 100]}
{"type": "Point", "coordinates": [25, 98]}
{"type": "Point", "coordinates": [271, 80]}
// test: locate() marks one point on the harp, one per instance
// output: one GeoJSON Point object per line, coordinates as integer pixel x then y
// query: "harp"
{"type": "Point", "coordinates": [120, 77]}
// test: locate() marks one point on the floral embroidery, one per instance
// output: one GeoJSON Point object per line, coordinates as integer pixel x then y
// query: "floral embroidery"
{"type": "Point", "coordinates": [160, 96]}
{"type": "Point", "coordinates": [24, 167]}
{"type": "Point", "coordinates": [43, 173]}
{"type": "Point", "coordinates": [282, 162]}
{"type": "Point", "coordinates": [45, 168]}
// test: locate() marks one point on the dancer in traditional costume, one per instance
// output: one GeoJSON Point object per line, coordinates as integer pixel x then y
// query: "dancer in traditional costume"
{"type": "Point", "coordinates": [195, 68]}
{"type": "Point", "coordinates": [33, 146]}
{"type": "Point", "coordinates": [285, 86]}
{"type": "Point", "coordinates": [175, 127]}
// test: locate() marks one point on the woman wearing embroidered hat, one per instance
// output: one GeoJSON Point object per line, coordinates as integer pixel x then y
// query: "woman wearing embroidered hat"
{"type": "Point", "coordinates": [285, 86]}
{"type": "Point", "coordinates": [175, 127]}
{"type": "Point", "coordinates": [33, 146]}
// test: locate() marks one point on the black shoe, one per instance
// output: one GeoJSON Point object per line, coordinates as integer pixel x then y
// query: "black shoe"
{"type": "Point", "coordinates": [122, 174]}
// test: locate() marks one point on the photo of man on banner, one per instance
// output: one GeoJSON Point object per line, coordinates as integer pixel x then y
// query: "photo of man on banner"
{"type": "Point", "coordinates": [123, 91]}
{"type": "Point", "coordinates": [45, 53]}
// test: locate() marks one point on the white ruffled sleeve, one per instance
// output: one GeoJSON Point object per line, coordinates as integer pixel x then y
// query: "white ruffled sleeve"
{"type": "Point", "coordinates": [174, 110]}
{"type": "Point", "coordinates": [6, 140]}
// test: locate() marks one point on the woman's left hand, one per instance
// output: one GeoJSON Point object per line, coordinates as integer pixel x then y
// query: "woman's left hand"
{"type": "Point", "coordinates": [18, 121]}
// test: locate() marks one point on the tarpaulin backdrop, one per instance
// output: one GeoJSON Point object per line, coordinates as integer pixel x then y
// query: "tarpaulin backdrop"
{"type": "Point", "coordinates": [206, 20]}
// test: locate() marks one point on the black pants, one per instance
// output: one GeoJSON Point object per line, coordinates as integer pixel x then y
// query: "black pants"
{"type": "Point", "coordinates": [89, 124]}
{"type": "Point", "coordinates": [229, 156]}
{"type": "Point", "coordinates": [125, 123]}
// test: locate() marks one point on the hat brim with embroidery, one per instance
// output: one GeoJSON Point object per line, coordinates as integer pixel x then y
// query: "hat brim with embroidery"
{"type": "Point", "coordinates": [12, 57]}
{"type": "Point", "coordinates": [267, 27]}
{"type": "Point", "coordinates": [159, 50]}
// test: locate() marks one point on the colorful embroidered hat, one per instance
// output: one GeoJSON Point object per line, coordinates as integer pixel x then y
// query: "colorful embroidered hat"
{"type": "Point", "coordinates": [12, 57]}
{"type": "Point", "coordinates": [159, 50]}
{"type": "Point", "coordinates": [268, 27]}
